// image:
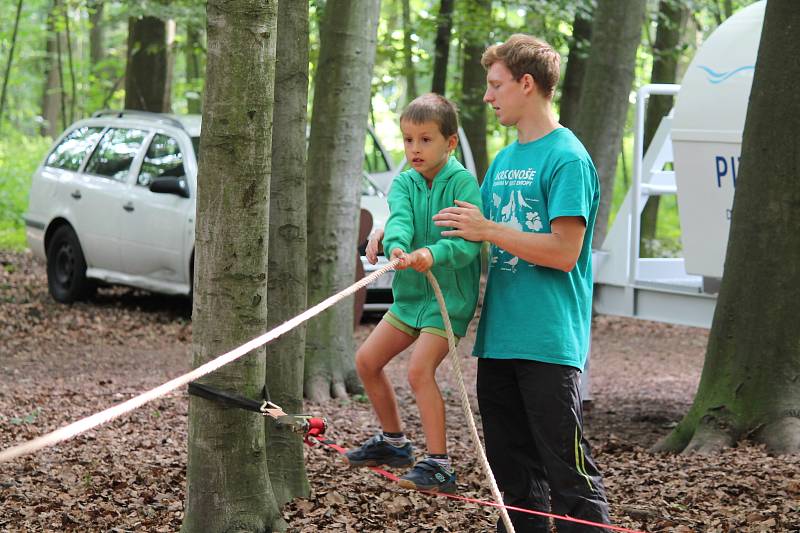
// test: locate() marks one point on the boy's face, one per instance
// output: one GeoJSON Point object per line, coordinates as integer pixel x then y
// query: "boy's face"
{"type": "Point", "coordinates": [427, 150]}
{"type": "Point", "coordinates": [505, 94]}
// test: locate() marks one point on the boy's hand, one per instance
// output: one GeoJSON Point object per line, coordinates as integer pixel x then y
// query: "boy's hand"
{"type": "Point", "coordinates": [420, 260]}
{"type": "Point", "coordinates": [374, 246]}
{"type": "Point", "coordinates": [398, 253]}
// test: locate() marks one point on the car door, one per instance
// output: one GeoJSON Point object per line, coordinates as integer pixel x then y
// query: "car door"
{"type": "Point", "coordinates": [99, 192]}
{"type": "Point", "coordinates": [156, 228]}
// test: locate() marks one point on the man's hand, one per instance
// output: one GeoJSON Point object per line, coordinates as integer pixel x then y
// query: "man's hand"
{"type": "Point", "coordinates": [420, 260]}
{"type": "Point", "coordinates": [466, 220]}
{"type": "Point", "coordinates": [374, 245]}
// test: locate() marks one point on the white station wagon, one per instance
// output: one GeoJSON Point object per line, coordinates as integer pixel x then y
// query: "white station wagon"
{"type": "Point", "coordinates": [114, 201]}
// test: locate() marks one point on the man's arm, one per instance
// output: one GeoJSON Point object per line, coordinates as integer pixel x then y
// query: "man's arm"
{"type": "Point", "coordinates": [558, 249]}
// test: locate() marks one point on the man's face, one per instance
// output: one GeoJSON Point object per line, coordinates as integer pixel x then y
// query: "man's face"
{"type": "Point", "coordinates": [504, 94]}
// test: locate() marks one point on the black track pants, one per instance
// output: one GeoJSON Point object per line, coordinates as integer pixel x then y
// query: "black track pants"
{"type": "Point", "coordinates": [533, 428]}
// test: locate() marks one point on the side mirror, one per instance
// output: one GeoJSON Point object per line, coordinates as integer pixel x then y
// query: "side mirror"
{"type": "Point", "coordinates": [170, 185]}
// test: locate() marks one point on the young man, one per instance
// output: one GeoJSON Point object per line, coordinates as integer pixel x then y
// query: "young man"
{"type": "Point", "coordinates": [540, 199]}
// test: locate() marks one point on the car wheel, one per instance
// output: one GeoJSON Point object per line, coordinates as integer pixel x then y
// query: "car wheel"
{"type": "Point", "coordinates": [66, 268]}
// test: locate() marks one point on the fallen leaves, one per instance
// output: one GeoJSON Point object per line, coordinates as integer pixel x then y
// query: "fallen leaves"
{"type": "Point", "coordinates": [59, 363]}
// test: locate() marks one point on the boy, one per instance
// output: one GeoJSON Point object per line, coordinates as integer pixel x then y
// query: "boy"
{"type": "Point", "coordinates": [540, 199]}
{"type": "Point", "coordinates": [435, 180]}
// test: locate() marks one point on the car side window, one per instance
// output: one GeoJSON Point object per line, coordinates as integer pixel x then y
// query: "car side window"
{"type": "Point", "coordinates": [116, 152]}
{"type": "Point", "coordinates": [374, 160]}
{"type": "Point", "coordinates": [72, 149]}
{"type": "Point", "coordinates": [163, 158]}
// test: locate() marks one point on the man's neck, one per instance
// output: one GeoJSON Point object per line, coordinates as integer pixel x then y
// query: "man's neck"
{"type": "Point", "coordinates": [538, 122]}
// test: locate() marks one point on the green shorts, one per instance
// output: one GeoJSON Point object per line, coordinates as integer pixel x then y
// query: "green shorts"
{"type": "Point", "coordinates": [391, 319]}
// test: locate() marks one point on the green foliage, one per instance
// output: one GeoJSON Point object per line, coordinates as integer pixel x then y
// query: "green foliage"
{"type": "Point", "coordinates": [19, 157]}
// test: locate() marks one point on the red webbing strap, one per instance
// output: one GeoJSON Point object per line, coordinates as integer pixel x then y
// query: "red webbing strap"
{"type": "Point", "coordinates": [394, 478]}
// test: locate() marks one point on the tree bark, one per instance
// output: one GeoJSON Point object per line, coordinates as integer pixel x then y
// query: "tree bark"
{"type": "Point", "coordinates": [228, 484]}
{"type": "Point", "coordinates": [672, 18]}
{"type": "Point", "coordinates": [616, 33]}
{"type": "Point", "coordinates": [51, 89]}
{"type": "Point", "coordinates": [750, 385]}
{"type": "Point", "coordinates": [10, 61]}
{"type": "Point", "coordinates": [442, 47]}
{"type": "Point", "coordinates": [336, 157]}
{"type": "Point", "coordinates": [195, 69]}
{"type": "Point", "coordinates": [475, 36]}
{"type": "Point", "coordinates": [287, 279]}
{"type": "Point", "coordinates": [147, 75]}
{"type": "Point", "coordinates": [576, 65]}
{"type": "Point", "coordinates": [96, 34]}
{"type": "Point", "coordinates": [73, 86]}
{"type": "Point", "coordinates": [408, 53]}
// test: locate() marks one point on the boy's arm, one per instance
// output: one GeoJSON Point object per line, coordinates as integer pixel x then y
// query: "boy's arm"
{"type": "Point", "coordinates": [399, 228]}
{"type": "Point", "coordinates": [455, 252]}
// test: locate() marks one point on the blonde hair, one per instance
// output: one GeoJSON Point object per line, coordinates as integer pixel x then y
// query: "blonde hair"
{"type": "Point", "coordinates": [523, 54]}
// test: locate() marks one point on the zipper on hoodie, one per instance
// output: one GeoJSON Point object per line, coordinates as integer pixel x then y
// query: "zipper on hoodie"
{"type": "Point", "coordinates": [428, 193]}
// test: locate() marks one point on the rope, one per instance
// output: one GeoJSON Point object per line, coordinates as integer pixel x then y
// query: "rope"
{"type": "Point", "coordinates": [85, 424]}
{"type": "Point", "coordinates": [392, 477]}
{"type": "Point", "coordinates": [455, 365]}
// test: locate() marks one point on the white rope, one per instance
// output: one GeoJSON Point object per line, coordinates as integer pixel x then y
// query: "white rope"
{"type": "Point", "coordinates": [456, 367]}
{"type": "Point", "coordinates": [85, 424]}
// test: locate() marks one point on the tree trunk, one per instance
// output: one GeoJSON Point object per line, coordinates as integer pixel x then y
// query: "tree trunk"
{"type": "Point", "coordinates": [194, 69]}
{"type": "Point", "coordinates": [442, 48]}
{"type": "Point", "coordinates": [10, 61]}
{"type": "Point", "coordinates": [96, 34]}
{"type": "Point", "coordinates": [408, 53]}
{"type": "Point", "coordinates": [147, 76]}
{"type": "Point", "coordinates": [348, 35]}
{"type": "Point", "coordinates": [616, 33]}
{"type": "Point", "coordinates": [473, 109]}
{"type": "Point", "coordinates": [750, 385]}
{"type": "Point", "coordinates": [672, 18]}
{"type": "Point", "coordinates": [287, 278]}
{"type": "Point", "coordinates": [228, 484]}
{"type": "Point", "coordinates": [51, 90]}
{"type": "Point", "coordinates": [576, 65]}
{"type": "Point", "coordinates": [73, 93]}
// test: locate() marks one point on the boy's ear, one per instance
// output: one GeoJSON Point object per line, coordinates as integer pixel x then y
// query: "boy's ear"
{"type": "Point", "coordinates": [452, 142]}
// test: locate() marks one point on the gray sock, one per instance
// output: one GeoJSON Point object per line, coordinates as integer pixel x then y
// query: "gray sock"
{"type": "Point", "coordinates": [442, 460]}
{"type": "Point", "coordinates": [398, 440]}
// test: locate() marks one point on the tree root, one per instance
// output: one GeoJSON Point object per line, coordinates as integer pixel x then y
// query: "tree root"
{"type": "Point", "coordinates": [781, 435]}
{"type": "Point", "coordinates": [711, 435]}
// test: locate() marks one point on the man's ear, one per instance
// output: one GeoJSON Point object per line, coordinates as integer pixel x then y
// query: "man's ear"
{"type": "Point", "coordinates": [528, 83]}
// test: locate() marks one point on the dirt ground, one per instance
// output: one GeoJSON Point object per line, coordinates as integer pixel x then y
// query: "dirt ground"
{"type": "Point", "coordinates": [59, 363]}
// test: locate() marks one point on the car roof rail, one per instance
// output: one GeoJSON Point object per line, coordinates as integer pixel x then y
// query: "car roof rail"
{"type": "Point", "coordinates": [138, 113]}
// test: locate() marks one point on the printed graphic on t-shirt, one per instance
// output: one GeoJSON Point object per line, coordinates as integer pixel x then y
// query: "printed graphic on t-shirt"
{"type": "Point", "coordinates": [517, 210]}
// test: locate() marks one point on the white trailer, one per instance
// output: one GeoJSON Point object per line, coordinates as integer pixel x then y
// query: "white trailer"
{"type": "Point", "coordinates": [701, 138]}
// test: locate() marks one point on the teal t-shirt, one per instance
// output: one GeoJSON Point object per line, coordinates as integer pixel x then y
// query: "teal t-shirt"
{"type": "Point", "coordinates": [529, 311]}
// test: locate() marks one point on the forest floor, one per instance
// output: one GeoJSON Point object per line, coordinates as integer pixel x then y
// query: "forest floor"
{"type": "Point", "coordinates": [59, 363]}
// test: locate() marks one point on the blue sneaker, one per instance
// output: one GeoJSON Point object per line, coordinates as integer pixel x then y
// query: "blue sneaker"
{"type": "Point", "coordinates": [377, 452]}
{"type": "Point", "coordinates": [429, 475]}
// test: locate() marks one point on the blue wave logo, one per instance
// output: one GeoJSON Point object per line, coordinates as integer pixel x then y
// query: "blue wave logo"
{"type": "Point", "coordinates": [718, 77]}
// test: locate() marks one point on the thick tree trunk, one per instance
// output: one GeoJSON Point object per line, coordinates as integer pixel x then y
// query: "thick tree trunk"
{"type": "Point", "coordinates": [672, 18]}
{"type": "Point", "coordinates": [228, 484]}
{"type": "Point", "coordinates": [148, 73]}
{"type": "Point", "coordinates": [616, 33]}
{"type": "Point", "coordinates": [195, 69]}
{"type": "Point", "coordinates": [336, 157]}
{"type": "Point", "coordinates": [51, 90]}
{"type": "Point", "coordinates": [473, 109]}
{"type": "Point", "coordinates": [576, 65]}
{"type": "Point", "coordinates": [750, 385]}
{"type": "Point", "coordinates": [287, 278]}
{"type": "Point", "coordinates": [442, 48]}
{"type": "Point", "coordinates": [409, 70]}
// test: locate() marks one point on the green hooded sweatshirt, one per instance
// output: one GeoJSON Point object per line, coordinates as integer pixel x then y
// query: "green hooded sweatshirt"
{"type": "Point", "coordinates": [456, 262]}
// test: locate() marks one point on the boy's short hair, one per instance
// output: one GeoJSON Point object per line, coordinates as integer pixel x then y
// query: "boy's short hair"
{"type": "Point", "coordinates": [432, 107]}
{"type": "Point", "coordinates": [523, 54]}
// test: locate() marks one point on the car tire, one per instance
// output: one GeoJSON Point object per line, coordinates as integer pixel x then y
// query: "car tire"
{"type": "Point", "coordinates": [66, 268]}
